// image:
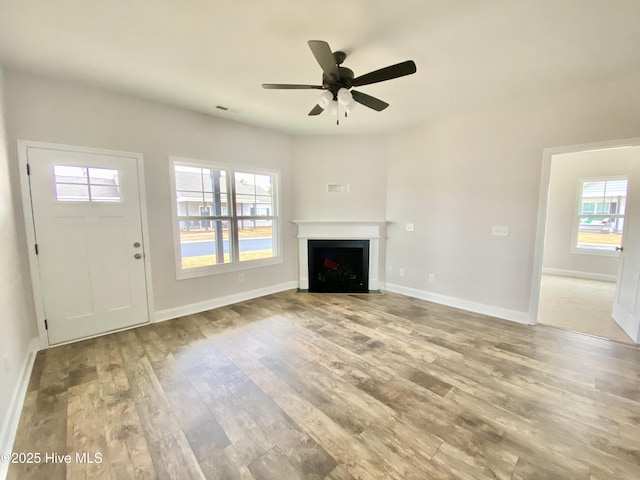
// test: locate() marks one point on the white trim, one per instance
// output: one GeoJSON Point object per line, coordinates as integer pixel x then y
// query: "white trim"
{"type": "Point", "coordinates": [489, 310]}
{"type": "Point", "coordinates": [543, 201]}
{"type": "Point", "coordinates": [23, 159]}
{"type": "Point", "coordinates": [183, 310]}
{"type": "Point", "coordinates": [603, 277]}
{"type": "Point", "coordinates": [10, 423]}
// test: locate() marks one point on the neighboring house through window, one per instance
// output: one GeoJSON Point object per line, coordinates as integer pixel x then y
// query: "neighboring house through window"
{"type": "Point", "coordinates": [600, 215]}
{"type": "Point", "coordinates": [225, 218]}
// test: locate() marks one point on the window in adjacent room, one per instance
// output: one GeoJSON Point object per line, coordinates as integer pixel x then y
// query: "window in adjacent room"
{"type": "Point", "coordinates": [225, 218]}
{"type": "Point", "coordinates": [599, 220]}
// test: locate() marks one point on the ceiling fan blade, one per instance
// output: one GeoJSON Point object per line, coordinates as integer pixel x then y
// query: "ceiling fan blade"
{"type": "Point", "coordinates": [387, 73]}
{"type": "Point", "coordinates": [289, 86]}
{"type": "Point", "coordinates": [325, 58]}
{"type": "Point", "coordinates": [317, 110]}
{"type": "Point", "coordinates": [369, 101]}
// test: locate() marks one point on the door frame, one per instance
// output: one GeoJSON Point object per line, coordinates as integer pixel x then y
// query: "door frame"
{"type": "Point", "coordinates": [543, 203]}
{"type": "Point", "coordinates": [29, 223]}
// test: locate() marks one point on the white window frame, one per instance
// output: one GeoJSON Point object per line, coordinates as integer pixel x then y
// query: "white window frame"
{"type": "Point", "coordinates": [231, 216]}
{"type": "Point", "coordinates": [576, 217]}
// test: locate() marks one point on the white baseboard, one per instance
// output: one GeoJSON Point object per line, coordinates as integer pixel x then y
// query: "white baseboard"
{"type": "Point", "coordinates": [497, 312]}
{"type": "Point", "coordinates": [181, 311]}
{"type": "Point", "coordinates": [10, 423]}
{"type": "Point", "coordinates": [577, 274]}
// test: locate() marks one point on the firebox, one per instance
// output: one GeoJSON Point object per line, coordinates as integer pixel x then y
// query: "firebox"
{"type": "Point", "coordinates": [339, 266]}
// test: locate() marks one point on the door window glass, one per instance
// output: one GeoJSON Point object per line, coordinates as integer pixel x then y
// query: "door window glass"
{"type": "Point", "coordinates": [86, 184]}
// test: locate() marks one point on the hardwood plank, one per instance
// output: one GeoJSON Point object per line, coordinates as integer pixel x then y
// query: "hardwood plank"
{"type": "Point", "coordinates": [173, 458]}
{"type": "Point", "coordinates": [226, 464]}
{"type": "Point", "coordinates": [248, 439]}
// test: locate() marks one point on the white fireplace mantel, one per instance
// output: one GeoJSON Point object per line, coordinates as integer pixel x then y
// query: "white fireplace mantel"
{"type": "Point", "coordinates": [339, 230]}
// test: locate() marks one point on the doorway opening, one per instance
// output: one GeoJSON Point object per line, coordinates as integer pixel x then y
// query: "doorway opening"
{"type": "Point", "coordinates": [581, 225]}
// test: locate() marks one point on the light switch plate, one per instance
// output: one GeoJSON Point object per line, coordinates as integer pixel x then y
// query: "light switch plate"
{"type": "Point", "coordinates": [409, 227]}
{"type": "Point", "coordinates": [500, 230]}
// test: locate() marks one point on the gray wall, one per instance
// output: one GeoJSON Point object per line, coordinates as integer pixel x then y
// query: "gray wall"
{"type": "Point", "coordinates": [453, 179]}
{"type": "Point", "coordinates": [359, 160]}
{"type": "Point", "coordinates": [17, 315]}
{"type": "Point", "coordinates": [456, 178]}
{"type": "Point", "coordinates": [566, 169]}
{"type": "Point", "coordinates": [50, 110]}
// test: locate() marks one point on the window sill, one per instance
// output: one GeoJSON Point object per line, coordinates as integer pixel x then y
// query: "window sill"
{"type": "Point", "coordinates": [595, 252]}
{"type": "Point", "coordinates": [211, 270]}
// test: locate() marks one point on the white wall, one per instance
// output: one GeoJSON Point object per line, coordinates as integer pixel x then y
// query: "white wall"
{"type": "Point", "coordinates": [45, 109]}
{"type": "Point", "coordinates": [456, 178]}
{"type": "Point", "coordinates": [360, 161]}
{"type": "Point", "coordinates": [566, 169]}
{"type": "Point", "coordinates": [17, 317]}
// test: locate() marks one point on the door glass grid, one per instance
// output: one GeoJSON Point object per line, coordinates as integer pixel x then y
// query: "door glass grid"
{"type": "Point", "coordinates": [86, 184]}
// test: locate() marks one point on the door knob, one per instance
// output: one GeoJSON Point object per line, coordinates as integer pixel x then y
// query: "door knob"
{"type": "Point", "coordinates": [619, 249]}
{"type": "Point", "coordinates": [137, 256]}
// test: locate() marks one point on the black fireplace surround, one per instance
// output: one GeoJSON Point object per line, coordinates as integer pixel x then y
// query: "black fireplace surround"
{"type": "Point", "coordinates": [338, 266]}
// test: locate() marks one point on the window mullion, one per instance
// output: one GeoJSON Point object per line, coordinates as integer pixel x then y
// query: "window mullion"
{"type": "Point", "coordinates": [233, 224]}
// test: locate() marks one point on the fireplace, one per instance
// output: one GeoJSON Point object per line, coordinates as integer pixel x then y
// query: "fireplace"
{"type": "Point", "coordinates": [338, 266]}
{"type": "Point", "coordinates": [371, 232]}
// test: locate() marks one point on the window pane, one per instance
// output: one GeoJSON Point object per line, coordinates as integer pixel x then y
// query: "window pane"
{"type": "Point", "coordinates": [104, 193]}
{"type": "Point", "coordinates": [593, 190]}
{"type": "Point", "coordinates": [103, 176]}
{"type": "Point", "coordinates": [189, 178]}
{"type": "Point", "coordinates": [201, 190]}
{"type": "Point", "coordinates": [67, 192]}
{"type": "Point", "coordinates": [254, 194]}
{"type": "Point", "coordinates": [69, 174]}
{"type": "Point", "coordinates": [256, 239]}
{"type": "Point", "coordinates": [199, 243]}
{"type": "Point", "coordinates": [588, 207]}
{"type": "Point", "coordinates": [600, 233]}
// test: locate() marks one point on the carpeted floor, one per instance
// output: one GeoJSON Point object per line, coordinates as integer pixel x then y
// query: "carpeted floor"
{"type": "Point", "coordinates": [579, 305]}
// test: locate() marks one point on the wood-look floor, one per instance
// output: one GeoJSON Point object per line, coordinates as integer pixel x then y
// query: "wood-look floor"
{"type": "Point", "coordinates": [336, 387]}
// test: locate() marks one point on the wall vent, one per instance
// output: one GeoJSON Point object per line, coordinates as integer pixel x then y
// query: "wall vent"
{"type": "Point", "coordinates": [338, 188]}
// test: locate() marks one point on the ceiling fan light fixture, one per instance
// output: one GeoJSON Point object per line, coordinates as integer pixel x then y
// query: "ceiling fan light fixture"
{"type": "Point", "coordinates": [325, 98]}
{"type": "Point", "coordinates": [332, 108]}
{"type": "Point", "coordinates": [350, 106]}
{"type": "Point", "coordinates": [344, 96]}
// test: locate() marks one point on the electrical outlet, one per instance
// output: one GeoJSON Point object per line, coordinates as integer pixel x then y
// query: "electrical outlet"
{"type": "Point", "coordinates": [390, 270]}
{"type": "Point", "coordinates": [409, 227]}
{"type": "Point", "coordinates": [432, 278]}
{"type": "Point", "coordinates": [241, 277]}
{"type": "Point", "coordinates": [5, 364]}
{"type": "Point", "coordinates": [401, 272]}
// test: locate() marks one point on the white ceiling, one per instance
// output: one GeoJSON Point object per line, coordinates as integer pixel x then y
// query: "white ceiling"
{"type": "Point", "coordinates": [202, 53]}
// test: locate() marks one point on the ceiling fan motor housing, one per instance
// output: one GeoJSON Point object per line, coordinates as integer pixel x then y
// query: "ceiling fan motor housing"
{"type": "Point", "coordinates": [333, 85]}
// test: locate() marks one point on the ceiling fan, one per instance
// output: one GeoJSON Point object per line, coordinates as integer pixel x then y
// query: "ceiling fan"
{"type": "Point", "coordinates": [337, 81]}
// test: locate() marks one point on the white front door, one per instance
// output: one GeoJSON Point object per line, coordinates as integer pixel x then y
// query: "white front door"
{"type": "Point", "coordinates": [626, 303]}
{"type": "Point", "coordinates": [86, 210]}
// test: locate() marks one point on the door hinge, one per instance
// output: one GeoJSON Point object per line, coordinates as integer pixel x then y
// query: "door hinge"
{"type": "Point", "coordinates": [28, 169]}
{"type": "Point", "coordinates": [36, 249]}
{"type": "Point", "coordinates": [46, 325]}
